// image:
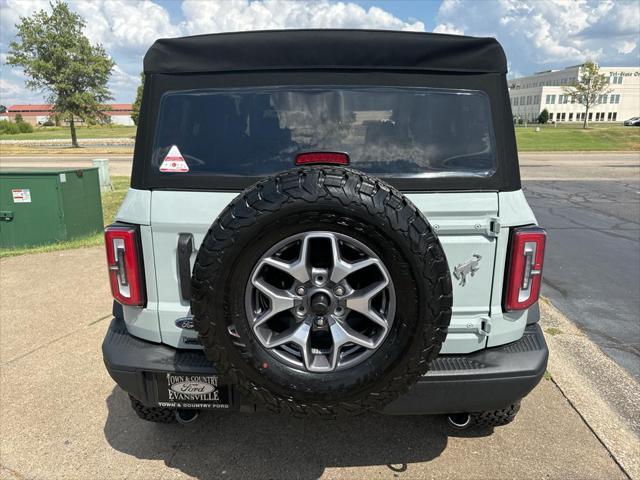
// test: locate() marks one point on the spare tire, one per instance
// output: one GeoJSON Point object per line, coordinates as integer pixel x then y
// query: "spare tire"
{"type": "Point", "coordinates": [321, 291]}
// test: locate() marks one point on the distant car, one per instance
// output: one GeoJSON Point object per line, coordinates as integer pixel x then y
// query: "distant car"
{"type": "Point", "coordinates": [632, 122]}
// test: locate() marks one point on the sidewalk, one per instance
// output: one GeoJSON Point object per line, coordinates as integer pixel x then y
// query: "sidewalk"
{"type": "Point", "coordinates": [62, 417]}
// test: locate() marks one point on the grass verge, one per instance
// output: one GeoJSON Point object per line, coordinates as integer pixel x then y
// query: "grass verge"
{"type": "Point", "coordinates": [53, 133]}
{"type": "Point", "coordinates": [572, 137]}
{"type": "Point", "coordinates": [110, 203]}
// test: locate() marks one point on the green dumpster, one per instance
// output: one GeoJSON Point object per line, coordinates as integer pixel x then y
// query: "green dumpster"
{"type": "Point", "coordinates": [47, 205]}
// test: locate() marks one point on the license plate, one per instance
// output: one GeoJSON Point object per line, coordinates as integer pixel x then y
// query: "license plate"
{"type": "Point", "coordinates": [191, 391]}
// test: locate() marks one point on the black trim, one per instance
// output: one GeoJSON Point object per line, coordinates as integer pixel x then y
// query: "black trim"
{"type": "Point", "coordinates": [488, 379]}
{"type": "Point", "coordinates": [505, 178]}
{"type": "Point", "coordinates": [185, 249]}
{"type": "Point", "coordinates": [533, 315]}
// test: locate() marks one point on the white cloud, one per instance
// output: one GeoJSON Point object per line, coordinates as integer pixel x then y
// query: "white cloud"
{"type": "Point", "coordinates": [448, 28]}
{"type": "Point", "coordinates": [14, 92]}
{"type": "Point", "coordinates": [625, 46]}
{"type": "Point", "coordinates": [550, 33]}
{"type": "Point", "coordinates": [127, 28]}
{"type": "Point", "coordinates": [204, 16]}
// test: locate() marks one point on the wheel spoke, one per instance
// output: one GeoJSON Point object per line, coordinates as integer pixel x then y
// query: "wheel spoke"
{"type": "Point", "coordinates": [280, 300]}
{"type": "Point", "coordinates": [342, 268]}
{"type": "Point", "coordinates": [298, 269]}
{"type": "Point", "coordinates": [298, 335]}
{"type": "Point", "coordinates": [342, 335]}
{"type": "Point", "coordinates": [360, 301]}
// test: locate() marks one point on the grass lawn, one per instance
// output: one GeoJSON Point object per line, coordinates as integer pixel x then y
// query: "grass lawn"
{"type": "Point", "coordinates": [110, 203]}
{"type": "Point", "coordinates": [572, 137]}
{"type": "Point", "coordinates": [51, 133]}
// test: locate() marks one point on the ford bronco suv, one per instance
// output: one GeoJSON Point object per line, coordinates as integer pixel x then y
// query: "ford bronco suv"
{"type": "Point", "coordinates": [326, 222]}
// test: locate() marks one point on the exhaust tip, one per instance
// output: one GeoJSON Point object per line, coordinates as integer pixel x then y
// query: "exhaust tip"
{"type": "Point", "coordinates": [186, 417]}
{"type": "Point", "coordinates": [459, 420]}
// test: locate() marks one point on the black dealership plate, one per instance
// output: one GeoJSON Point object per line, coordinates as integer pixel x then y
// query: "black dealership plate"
{"type": "Point", "coordinates": [177, 390]}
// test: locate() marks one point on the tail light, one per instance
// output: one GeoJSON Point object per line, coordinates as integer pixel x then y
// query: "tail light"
{"type": "Point", "coordinates": [124, 258]}
{"type": "Point", "coordinates": [524, 276]}
{"type": "Point", "coordinates": [314, 158]}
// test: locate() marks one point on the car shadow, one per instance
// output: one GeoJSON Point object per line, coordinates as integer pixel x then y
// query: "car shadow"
{"type": "Point", "coordinates": [264, 445]}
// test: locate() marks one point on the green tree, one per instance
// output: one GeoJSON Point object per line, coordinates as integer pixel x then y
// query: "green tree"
{"type": "Point", "coordinates": [135, 114]}
{"type": "Point", "coordinates": [589, 88]}
{"type": "Point", "coordinates": [544, 116]}
{"type": "Point", "coordinates": [59, 60]}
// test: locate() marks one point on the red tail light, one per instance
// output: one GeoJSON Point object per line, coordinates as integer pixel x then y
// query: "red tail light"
{"type": "Point", "coordinates": [314, 158]}
{"type": "Point", "coordinates": [124, 258]}
{"type": "Point", "coordinates": [524, 276]}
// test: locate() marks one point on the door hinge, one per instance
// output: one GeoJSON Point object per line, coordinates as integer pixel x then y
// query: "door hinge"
{"type": "Point", "coordinates": [480, 326]}
{"type": "Point", "coordinates": [493, 229]}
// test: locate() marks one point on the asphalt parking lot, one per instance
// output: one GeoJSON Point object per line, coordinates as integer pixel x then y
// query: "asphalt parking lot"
{"type": "Point", "coordinates": [62, 416]}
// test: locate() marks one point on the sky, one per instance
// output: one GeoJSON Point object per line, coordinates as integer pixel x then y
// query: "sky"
{"type": "Point", "coordinates": [536, 35]}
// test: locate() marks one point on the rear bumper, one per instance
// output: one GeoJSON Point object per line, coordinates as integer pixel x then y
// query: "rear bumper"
{"type": "Point", "coordinates": [485, 380]}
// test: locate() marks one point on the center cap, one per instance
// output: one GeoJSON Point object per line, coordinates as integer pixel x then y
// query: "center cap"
{"type": "Point", "coordinates": [320, 303]}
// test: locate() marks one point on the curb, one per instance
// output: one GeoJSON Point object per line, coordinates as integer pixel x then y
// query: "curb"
{"type": "Point", "coordinates": [602, 393]}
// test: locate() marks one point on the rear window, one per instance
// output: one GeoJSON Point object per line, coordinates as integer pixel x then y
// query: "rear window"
{"type": "Point", "coordinates": [386, 131]}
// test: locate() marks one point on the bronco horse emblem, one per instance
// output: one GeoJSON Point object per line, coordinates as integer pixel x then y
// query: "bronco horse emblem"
{"type": "Point", "coordinates": [466, 268]}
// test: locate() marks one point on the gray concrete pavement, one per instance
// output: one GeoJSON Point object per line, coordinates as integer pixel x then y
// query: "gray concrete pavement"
{"type": "Point", "coordinates": [533, 166]}
{"type": "Point", "coordinates": [62, 417]}
{"type": "Point", "coordinates": [118, 164]}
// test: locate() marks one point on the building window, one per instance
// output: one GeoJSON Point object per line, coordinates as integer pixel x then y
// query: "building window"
{"type": "Point", "coordinates": [614, 98]}
{"type": "Point", "coordinates": [616, 79]}
{"type": "Point", "coordinates": [528, 99]}
{"type": "Point", "coordinates": [570, 117]}
{"type": "Point", "coordinates": [602, 99]}
{"type": "Point", "coordinates": [551, 116]}
{"type": "Point", "coordinates": [597, 116]}
{"type": "Point", "coordinates": [515, 101]}
{"type": "Point", "coordinates": [590, 116]}
{"type": "Point", "coordinates": [609, 115]}
{"type": "Point", "coordinates": [536, 99]}
{"type": "Point", "coordinates": [615, 115]}
{"type": "Point", "coordinates": [563, 116]}
{"type": "Point", "coordinates": [551, 99]}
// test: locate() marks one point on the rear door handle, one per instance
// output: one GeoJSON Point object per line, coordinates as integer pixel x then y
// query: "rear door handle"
{"type": "Point", "coordinates": [185, 249]}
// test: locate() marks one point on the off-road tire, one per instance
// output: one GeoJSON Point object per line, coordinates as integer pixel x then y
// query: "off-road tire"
{"type": "Point", "coordinates": [336, 199]}
{"type": "Point", "coordinates": [495, 418]}
{"type": "Point", "coordinates": [152, 414]}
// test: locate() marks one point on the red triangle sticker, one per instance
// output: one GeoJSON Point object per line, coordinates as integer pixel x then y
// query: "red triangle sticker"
{"type": "Point", "coordinates": [174, 161]}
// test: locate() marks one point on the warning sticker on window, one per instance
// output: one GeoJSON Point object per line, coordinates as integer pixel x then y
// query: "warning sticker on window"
{"type": "Point", "coordinates": [21, 195]}
{"type": "Point", "coordinates": [174, 161]}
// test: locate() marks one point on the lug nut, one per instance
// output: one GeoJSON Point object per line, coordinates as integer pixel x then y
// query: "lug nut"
{"type": "Point", "coordinates": [319, 322]}
{"type": "Point", "coordinates": [339, 290]}
{"type": "Point", "coordinates": [301, 290]}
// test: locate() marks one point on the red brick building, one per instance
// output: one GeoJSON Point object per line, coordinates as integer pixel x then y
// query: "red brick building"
{"type": "Point", "coordinates": [118, 113]}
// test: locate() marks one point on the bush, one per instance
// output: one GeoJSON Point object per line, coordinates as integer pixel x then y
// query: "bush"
{"type": "Point", "coordinates": [25, 127]}
{"type": "Point", "coordinates": [8, 127]}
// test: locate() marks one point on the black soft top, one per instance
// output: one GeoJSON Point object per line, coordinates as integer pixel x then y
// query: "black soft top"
{"type": "Point", "coordinates": [325, 49]}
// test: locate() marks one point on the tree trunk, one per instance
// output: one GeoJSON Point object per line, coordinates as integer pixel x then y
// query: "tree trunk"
{"type": "Point", "coordinates": [586, 118]}
{"type": "Point", "coordinates": [74, 137]}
